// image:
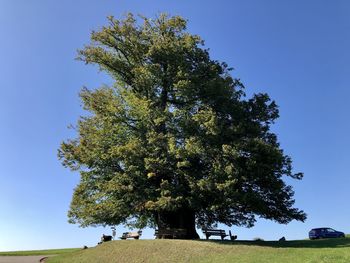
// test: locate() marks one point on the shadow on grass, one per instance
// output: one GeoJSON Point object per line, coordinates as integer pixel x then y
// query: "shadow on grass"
{"type": "Point", "coordinates": [321, 243]}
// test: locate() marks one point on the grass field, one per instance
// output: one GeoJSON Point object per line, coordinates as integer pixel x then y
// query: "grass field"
{"type": "Point", "coordinates": [40, 252]}
{"type": "Point", "coordinates": [154, 251]}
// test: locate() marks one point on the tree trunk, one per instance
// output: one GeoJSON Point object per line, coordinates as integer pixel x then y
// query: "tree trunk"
{"type": "Point", "coordinates": [177, 224]}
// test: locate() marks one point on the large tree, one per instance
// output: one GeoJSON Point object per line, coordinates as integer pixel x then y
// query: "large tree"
{"type": "Point", "coordinates": [174, 142]}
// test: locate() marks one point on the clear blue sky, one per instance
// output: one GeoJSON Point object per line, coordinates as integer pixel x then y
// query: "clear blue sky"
{"type": "Point", "coordinates": [297, 51]}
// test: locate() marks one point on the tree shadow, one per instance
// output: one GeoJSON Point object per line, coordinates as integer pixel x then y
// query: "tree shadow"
{"type": "Point", "coordinates": [321, 243]}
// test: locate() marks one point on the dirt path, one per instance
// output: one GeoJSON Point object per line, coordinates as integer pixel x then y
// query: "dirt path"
{"type": "Point", "coordinates": [20, 259]}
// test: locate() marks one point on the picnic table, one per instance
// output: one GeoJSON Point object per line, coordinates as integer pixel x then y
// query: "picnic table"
{"type": "Point", "coordinates": [208, 232]}
{"type": "Point", "coordinates": [134, 235]}
{"type": "Point", "coordinates": [175, 233]}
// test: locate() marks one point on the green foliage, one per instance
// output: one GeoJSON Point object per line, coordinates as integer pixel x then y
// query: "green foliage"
{"type": "Point", "coordinates": [174, 131]}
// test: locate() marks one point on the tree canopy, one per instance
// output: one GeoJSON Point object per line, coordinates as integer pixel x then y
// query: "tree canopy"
{"type": "Point", "coordinates": [175, 134]}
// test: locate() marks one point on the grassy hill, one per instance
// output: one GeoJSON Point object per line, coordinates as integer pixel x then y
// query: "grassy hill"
{"type": "Point", "coordinates": [40, 252]}
{"type": "Point", "coordinates": [153, 251]}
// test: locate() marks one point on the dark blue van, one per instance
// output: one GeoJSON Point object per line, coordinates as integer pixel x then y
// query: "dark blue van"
{"type": "Point", "coordinates": [324, 232]}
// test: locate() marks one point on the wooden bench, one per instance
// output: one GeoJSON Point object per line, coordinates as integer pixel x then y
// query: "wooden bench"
{"type": "Point", "coordinates": [218, 232]}
{"type": "Point", "coordinates": [134, 235]}
{"type": "Point", "coordinates": [170, 233]}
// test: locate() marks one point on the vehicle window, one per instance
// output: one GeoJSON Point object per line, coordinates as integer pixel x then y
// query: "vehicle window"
{"type": "Point", "coordinates": [330, 230]}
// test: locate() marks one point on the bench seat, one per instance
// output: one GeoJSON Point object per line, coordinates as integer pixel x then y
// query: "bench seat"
{"type": "Point", "coordinates": [215, 232]}
{"type": "Point", "coordinates": [134, 235]}
{"type": "Point", "coordinates": [170, 233]}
